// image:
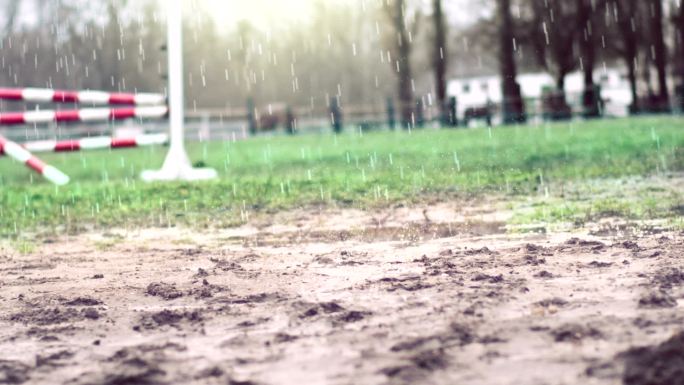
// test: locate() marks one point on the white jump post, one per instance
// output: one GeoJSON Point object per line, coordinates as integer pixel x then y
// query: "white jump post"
{"type": "Point", "coordinates": [177, 165]}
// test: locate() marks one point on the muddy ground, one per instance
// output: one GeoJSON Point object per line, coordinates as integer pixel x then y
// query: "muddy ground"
{"type": "Point", "coordinates": [423, 295]}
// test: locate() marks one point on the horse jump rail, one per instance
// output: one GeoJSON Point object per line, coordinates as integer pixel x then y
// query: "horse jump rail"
{"type": "Point", "coordinates": [93, 143]}
{"type": "Point", "coordinates": [22, 155]}
{"type": "Point", "coordinates": [84, 115]}
{"type": "Point", "coordinates": [43, 95]}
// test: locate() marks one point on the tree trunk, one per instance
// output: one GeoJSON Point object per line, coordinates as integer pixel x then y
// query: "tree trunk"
{"type": "Point", "coordinates": [681, 40]}
{"type": "Point", "coordinates": [632, 76]}
{"type": "Point", "coordinates": [440, 61]}
{"type": "Point", "coordinates": [587, 41]}
{"type": "Point", "coordinates": [403, 65]}
{"type": "Point", "coordinates": [513, 108]}
{"type": "Point", "coordinates": [629, 34]}
{"type": "Point", "coordinates": [660, 50]}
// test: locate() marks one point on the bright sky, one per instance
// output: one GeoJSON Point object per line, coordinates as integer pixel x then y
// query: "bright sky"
{"type": "Point", "coordinates": [274, 12]}
{"type": "Point", "coordinates": [278, 12]}
{"type": "Point", "coordinates": [258, 10]}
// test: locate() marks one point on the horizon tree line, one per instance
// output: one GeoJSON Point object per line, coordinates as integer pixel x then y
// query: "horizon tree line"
{"type": "Point", "coordinates": [359, 56]}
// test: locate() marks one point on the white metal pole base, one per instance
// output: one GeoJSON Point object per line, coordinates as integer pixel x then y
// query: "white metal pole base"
{"type": "Point", "coordinates": [177, 167]}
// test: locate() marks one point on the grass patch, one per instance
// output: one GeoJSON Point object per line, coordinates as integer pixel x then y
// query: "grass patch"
{"type": "Point", "coordinates": [361, 170]}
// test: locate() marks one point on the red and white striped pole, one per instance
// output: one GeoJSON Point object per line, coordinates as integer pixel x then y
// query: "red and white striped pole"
{"type": "Point", "coordinates": [42, 95]}
{"type": "Point", "coordinates": [20, 154]}
{"type": "Point", "coordinates": [94, 143]}
{"type": "Point", "coordinates": [85, 115]}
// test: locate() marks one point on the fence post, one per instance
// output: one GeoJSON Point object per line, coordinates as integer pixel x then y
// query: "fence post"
{"type": "Point", "coordinates": [335, 114]}
{"type": "Point", "coordinates": [391, 119]}
{"type": "Point", "coordinates": [290, 121]}
{"type": "Point", "coordinates": [420, 113]}
{"type": "Point", "coordinates": [251, 118]}
{"type": "Point", "coordinates": [591, 102]}
{"type": "Point", "coordinates": [452, 118]}
{"type": "Point", "coordinates": [679, 97]}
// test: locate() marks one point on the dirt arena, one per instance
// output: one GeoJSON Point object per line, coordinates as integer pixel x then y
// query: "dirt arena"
{"type": "Point", "coordinates": [424, 295]}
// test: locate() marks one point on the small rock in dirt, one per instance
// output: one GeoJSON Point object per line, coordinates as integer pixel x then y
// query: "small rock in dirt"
{"type": "Point", "coordinates": [164, 290]}
{"type": "Point", "coordinates": [655, 365]}
{"type": "Point", "coordinates": [657, 299]}
{"type": "Point", "coordinates": [98, 276]}
{"type": "Point", "coordinates": [201, 273]}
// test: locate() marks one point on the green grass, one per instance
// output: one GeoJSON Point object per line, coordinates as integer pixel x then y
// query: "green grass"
{"type": "Point", "coordinates": [272, 173]}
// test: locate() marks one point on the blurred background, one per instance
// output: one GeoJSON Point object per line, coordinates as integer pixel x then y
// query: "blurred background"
{"type": "Point", "coordinates": [318, 65]}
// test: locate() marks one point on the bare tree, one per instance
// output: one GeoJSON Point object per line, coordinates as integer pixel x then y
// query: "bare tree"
{"type": "Point", "coordinates": [626, 15]}
{"type": "Point", "coordinates": [678, 22]}
{"type": "Point", "coordinates": [659, 52]}
{"type": "Point", "coordinates": [557, 25]}
{"type": "Point", "coordinates": [587, 42]}
{"type": "Point", "coordinates": [513, 107]}
{"type": "Point", "coordinates": [401, 63]}
{"type": "Point", "coordinates": [439, 59]}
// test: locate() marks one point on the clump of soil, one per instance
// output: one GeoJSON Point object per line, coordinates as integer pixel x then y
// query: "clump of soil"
{"type": "Point", "coordinates": [489, 278]}
{"type": "Point", "coordinates": [543, 274]}
{"type": "Point", "coordinates": [13, 372]}
{"type": "Point", "coordinates": [83, 301]}
{"type": "Point", "coordinates": [54, 359]}
{"type": "Point", "coordinates": [656, 365]}
{"type": "Point", "coordinates": [599, 264]}
{"type": "Point", "coordinates": [668, 278]}
{"type": "Point", "coordinates": [657, 299]}
{"type": "Point", "coordinates": [419, 366]}
{"type": "Point", "coordinates": [558, 302]}
{"type": "Point", "coordinates": [51, 316]}
{"type": "Point", "coordinates": [168, 318]}
{"type": "Point", "coordinates": [574, 333]}
{"type": "Point", "coordinates": [351, 317]}
{"type": "Point", "coordinates": [324, 307]}
{"type": "Point", "coordinates": [164, 290]}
